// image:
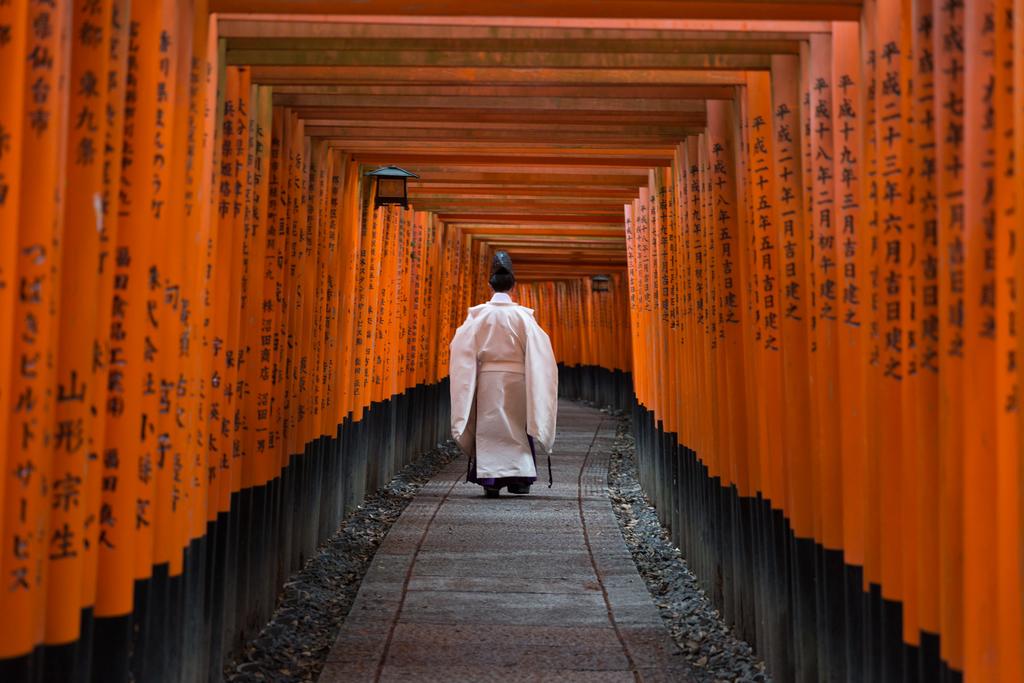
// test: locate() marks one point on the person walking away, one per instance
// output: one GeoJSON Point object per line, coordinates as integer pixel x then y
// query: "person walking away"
{"type": "Point", "coordinates": [504, 389]}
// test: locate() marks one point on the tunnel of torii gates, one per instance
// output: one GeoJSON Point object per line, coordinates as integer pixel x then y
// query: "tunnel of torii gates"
{"type": "Point", "coordinates": [213, 345]}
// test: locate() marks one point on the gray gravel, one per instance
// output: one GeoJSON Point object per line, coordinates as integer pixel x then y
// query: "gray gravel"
{"type": "Point", "coordinates": [315, 601]}
{"type": "Point", "coordinates": [710, 646]}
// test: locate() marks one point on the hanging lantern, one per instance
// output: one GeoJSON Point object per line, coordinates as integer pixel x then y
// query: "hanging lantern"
{"type": "Point", "coordinates": [600, 283]}
{"type": "Point", "coordinates": [391, 186]}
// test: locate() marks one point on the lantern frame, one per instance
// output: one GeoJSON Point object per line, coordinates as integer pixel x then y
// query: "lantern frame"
{"type": "Point", "coordinates": [600, 284]}
{"type": "Point", "coordinates": [390, 177]}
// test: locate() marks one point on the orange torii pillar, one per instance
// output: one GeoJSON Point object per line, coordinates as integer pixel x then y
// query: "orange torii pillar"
{"type": "Point", "coordinates": [185, 416]}
{"type": "Point", "coordinates": [862, 346]}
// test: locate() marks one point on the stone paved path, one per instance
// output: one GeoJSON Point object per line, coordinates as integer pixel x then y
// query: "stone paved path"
{"type": "Point", "coordinates": [522, 588]}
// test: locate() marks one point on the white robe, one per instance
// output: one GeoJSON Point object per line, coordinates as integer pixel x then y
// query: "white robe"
{"type": "Point", "coordinates": [504, 385]}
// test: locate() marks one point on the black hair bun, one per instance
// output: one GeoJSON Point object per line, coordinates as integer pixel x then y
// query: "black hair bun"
{"type": "Point", "coordinates": [502, 263]}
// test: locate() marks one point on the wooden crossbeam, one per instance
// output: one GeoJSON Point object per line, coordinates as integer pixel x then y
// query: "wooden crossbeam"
{"type": "Point", "coordinates": [588, 163]}
{"type": "Point", "coordinates": [827, 10]}
{"type": "Point", "coordinates": [272, 75]}
{"type": "Point", "coordinates": [488, 59]}
{"type": "Point", "coordinates": [273, 26]}
{"type": "Point", "coordinates": [403, 101]}
{"type": "Point", "coordinates": [485, 231]}
{"type": "Point", "coordinates": [497, 198]}
{"type": "Point", "coordinates": [399, 38]}
{"type": "Point", "coordinates": [352, 138]}
{"type": "Point", "coordinates": [522, 90]}
{"type": "Point", "coordinates": [613, 219]}
{"type": "Point", "coordinates": [505, 116]}
{"type": "Point", "coordinates": [438, 189]}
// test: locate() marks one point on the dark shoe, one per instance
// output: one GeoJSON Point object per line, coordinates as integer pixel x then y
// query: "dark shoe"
{"type": "Point", "coordinates": [520, 489]}
{"type": "Point", "coordinates": [492, 492]}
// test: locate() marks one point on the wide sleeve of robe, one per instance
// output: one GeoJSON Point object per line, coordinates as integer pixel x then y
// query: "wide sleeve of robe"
{"type": "Point", "coordinates": [541, 384]}
{"type": "Point", "coordinates": [462, 385]}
